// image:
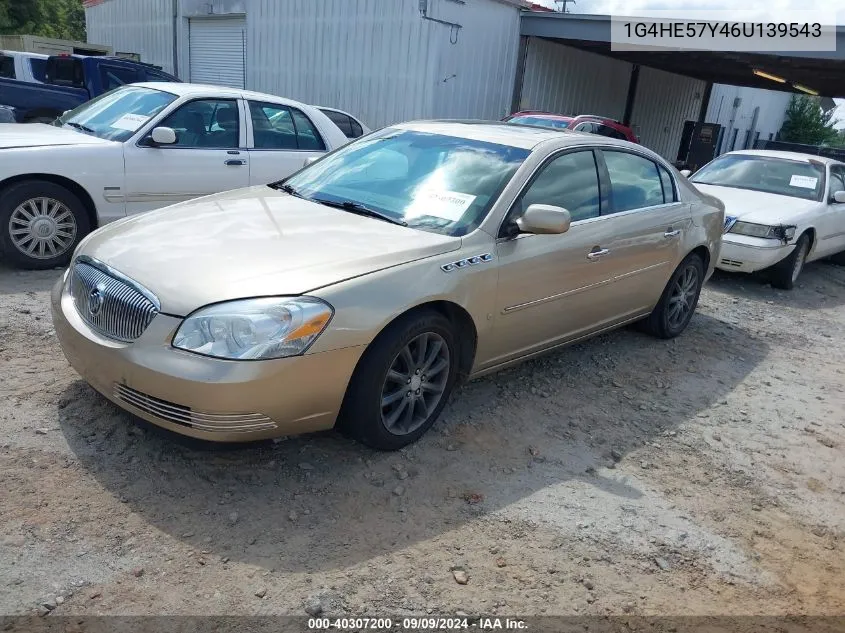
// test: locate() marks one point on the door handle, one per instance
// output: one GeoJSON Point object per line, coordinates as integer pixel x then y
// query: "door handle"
{"type": "Point", "coordinates": [672, 233]}
{"type": "Point", "coordinates": [235, 162]}
{"type": "Point", "coordinates": [598, 254]}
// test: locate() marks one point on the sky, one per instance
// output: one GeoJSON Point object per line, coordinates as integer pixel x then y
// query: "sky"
{"type": "Point", "coordinates": [769, 7]}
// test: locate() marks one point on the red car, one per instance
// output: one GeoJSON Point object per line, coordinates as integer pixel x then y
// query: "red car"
{"type": "Point", "coordinates": [581, 123]}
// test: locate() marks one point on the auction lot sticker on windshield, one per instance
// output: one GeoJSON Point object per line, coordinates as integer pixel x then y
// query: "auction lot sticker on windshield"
{"type": "Point", "coordinates": [130, 122]}
{"type": "Point", "coordinates": [440, 203]}
{"type": "Point", "coordinates": [805, 182]}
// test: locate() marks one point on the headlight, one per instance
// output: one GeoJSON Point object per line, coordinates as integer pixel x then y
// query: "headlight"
{"type": "Point", "coordinates": [779, 232]}
{"type": "Point", "coordinates": [254, 329]}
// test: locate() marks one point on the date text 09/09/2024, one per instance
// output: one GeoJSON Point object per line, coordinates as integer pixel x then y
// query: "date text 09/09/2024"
{"type": "Point", "coordinates": [417, 624]}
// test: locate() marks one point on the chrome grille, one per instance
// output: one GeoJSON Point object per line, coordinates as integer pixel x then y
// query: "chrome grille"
{"type": "Point", "coordinates": [185, 416]}
{"type": "Point", "coordinates": [111, 305]}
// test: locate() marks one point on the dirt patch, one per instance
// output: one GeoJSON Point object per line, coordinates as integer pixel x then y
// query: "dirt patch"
{"type": "Point", "coordinates": [625, 475]}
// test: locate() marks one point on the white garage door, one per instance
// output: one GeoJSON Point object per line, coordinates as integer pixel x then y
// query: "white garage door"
{"type": "Point", "coordinates": [218, 51]}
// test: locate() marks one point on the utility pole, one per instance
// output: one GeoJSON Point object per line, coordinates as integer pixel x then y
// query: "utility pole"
{"type": "Point", "coordinates": [564, 3]}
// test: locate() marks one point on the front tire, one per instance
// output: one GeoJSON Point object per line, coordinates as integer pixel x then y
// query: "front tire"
{"type": "Point", "coordinates": [40, 224]}
{"type": "Point", "coordinates": [402, 382]}
{"type": "Point", "coordinates": [677, 304]}
{"type": "Point", "coordinates": [785, 274]}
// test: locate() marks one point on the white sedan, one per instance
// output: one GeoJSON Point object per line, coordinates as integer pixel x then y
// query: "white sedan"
{"type": "Point", "coordinates": [139, 148]}
{"type": "Point", "coordinates": [782, 209]}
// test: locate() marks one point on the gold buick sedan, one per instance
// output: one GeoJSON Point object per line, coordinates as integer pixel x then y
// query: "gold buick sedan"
{"type": "Point", "coordinates": [360, 291]}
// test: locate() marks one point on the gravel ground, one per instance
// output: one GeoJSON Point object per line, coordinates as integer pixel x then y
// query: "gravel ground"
{"type": "Point", "coordinates": [624, 475]}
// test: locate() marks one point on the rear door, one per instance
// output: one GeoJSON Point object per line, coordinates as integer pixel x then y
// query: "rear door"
{"type": "Point", "coordinates": [649, 225]}
{"type": "Point", "coordinates": [282, 139]}
{"type": "Point", "coordinates": [209, 156]}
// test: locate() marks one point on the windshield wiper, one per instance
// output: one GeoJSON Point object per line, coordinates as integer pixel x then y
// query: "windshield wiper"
{"type": "Point", "coordinates": [359, 209]}
{"type": "Point", "coordinates": [79, 126]}
{"type": "Point", "coordinates": [287, 189]}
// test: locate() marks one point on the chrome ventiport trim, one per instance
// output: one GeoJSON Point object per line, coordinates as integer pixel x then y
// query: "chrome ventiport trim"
{"type": "Point", "coordinates": [469, 261]}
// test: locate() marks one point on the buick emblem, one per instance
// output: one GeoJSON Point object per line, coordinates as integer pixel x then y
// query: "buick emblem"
{"type": "Point", "coordinates": [95, 301]}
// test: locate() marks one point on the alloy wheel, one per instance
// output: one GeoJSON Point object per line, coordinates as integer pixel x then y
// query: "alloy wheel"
{"type": "Point", "coordinates": [683, 296]}
{"type": "Point", "coordinates": [415, 383]}
{"type": "Point", "coordinates": [42, 228]}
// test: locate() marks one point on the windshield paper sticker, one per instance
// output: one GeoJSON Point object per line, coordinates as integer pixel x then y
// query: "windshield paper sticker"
{"type": "Point", "coordinates": [805, 182]}
{"type": "Point", "coordinates": [449, 205]}
{"type": "Point", "coordinates": [131, 122]}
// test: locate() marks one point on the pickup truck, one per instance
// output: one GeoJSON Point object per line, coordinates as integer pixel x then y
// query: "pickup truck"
{"type": "Point", "coordinates": [70, 81]}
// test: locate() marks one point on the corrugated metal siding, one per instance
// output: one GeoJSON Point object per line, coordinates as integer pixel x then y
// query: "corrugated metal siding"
{"type": "Point", "coordinates": [135, 26]}
{"type": "Point", "coordinates": [567, 80]}
{"type": "Point", "coordinates": [476, 73]}
{"type": "Point", "coordinates": [663, 102]}
{"type": "Point", "coordinates": [721, 110]}
{"type": "Point", "coordinates": [374, 58]}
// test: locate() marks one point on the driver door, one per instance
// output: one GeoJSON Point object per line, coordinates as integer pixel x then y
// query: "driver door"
{"type": "Point", "coordinates": [555, 287]}
{"type": "Point", "coordinates": [831, 225]}
{"type": "Point", "coordinates": [209, 156]}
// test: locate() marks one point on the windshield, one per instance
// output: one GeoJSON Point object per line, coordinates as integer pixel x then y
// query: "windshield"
{"type": "Point", "coordinates": [117, 115]}
{"type": "Point", "coordinates": [433, 182]}
{"type": "Point", "coordinates": [540, 121]}
{"type": "Point", "coordinates": [782, 176]}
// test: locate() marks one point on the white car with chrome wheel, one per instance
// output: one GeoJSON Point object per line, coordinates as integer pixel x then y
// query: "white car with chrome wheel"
{"type": "Point", "coordinates": [142, 147]}
{"type": "Point", "coordinates": [782, 209]}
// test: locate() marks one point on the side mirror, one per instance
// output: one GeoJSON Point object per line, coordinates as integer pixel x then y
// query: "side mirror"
{"type": "Point", "coordinates": [311, 160]}
{"type": "Point", "coordinates": [686, 173]}
{"type": "Point", "coordinates": [544, 219]}
{"type": "Point", "coordinates": [163, 136]}
{"type": "Point", "coordinates": [839, 197]}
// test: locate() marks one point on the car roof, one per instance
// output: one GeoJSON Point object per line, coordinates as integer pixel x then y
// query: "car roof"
{"type": "Point", "coordinates": [24, 54]}
{"type": "Point", "coordinates": [208, 90]}
{"type": "Point", "coordinates": [804, 158]}
{"type": "Point", "coordinates": [513, 134]}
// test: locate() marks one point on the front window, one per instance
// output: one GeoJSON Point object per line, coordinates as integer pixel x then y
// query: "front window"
{"type": "Point", "coordinates": [433, 182]}
{"type": "Point", "coordinates": [540, 121]}
{"type": "Point", "coordinates": [118, 114]}
{"type": "Point", "coordinates": [785, 177]}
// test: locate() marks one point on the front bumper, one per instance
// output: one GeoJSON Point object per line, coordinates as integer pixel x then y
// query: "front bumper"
{"type": "Point", "coordinates": [205, 398]}
{"type": "Point", "coordinates": [745, 254]}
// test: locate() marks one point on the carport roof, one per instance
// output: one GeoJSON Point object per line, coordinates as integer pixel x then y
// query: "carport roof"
{"type": "Point", "coordinates": [822, 71]}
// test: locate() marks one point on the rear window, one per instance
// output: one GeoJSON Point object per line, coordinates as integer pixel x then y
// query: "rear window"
{"type": "Point", "coordinates": [540, 121]}
{"type": "Point", "coordinates": [117, 76]}
{"type": "Point", "coordinates": [65, 71]}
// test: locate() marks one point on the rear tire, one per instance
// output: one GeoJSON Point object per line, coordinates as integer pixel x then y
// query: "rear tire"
{"type": "Point", "coordinates": [40, 224]}
{"type": "Point", "coordinates": [785, 274]}
{"type": "Point", "coordinates": [402, 382]}
{"type": "Point", "coordinates": [677, 304]}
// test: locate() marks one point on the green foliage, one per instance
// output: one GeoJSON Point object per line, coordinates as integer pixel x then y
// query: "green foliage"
{"type": "Point", "coordinates": [62, 19]}
{"type": "Point", "coordinates": [805, 122]}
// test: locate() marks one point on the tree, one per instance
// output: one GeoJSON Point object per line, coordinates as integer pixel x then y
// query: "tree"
{"type": "Point", "coordinates": [807, 123]}
{"type": "Point", "coordinates": [62, 19]}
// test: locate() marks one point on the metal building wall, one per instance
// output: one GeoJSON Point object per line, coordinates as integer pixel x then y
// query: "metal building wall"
{"type": "Point", "coordinates": [374, 58]}
{"type": "Point", "coordinates": [476, 73]}
{"type": "Point", "coordinates": [135, 26]}
{"type": "Point", "coordinates": [772, 104]}
{"type": "Point", "coordinates": [567, 80]}
{"type": "Point", "coordinates": [663, 103]}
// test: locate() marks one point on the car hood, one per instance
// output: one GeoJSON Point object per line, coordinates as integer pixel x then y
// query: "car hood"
{"type": "Point", "coordinates": [757, 206]}
{"type": "Point", "coordinates": [42, 135]}
{"type": "Point", "coordinates": [252, 242]}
